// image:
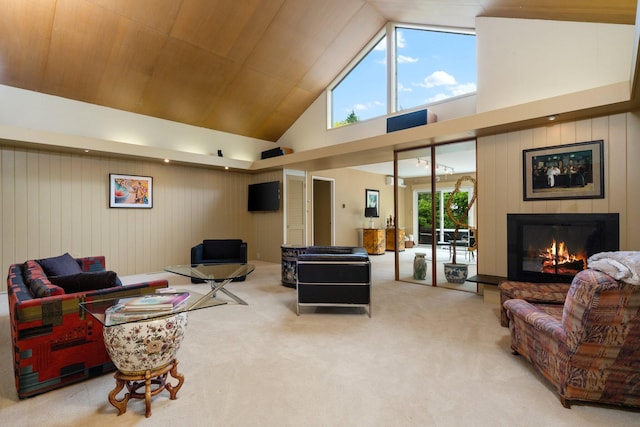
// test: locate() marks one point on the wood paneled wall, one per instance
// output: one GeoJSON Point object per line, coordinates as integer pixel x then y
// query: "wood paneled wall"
{"type": "Point", "coordinates": [268, 227]}
{"type": "Point", "coordinates": [500, 181]}
{"type": "Point", "coordinates": [53, 203]}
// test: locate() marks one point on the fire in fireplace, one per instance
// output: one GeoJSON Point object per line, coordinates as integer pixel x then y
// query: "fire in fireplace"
{"type": "Point", "coordinates": [558, 259]}
{"type": "Point", "coordinates": [555, 247]}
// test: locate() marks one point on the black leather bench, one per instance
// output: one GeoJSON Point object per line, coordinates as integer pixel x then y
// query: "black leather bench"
{"type": "Point", "coordinates": [338, 276]}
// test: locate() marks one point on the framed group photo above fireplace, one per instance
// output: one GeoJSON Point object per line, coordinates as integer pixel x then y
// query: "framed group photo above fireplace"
{"type": "Point", "coordinates": [572, 171]}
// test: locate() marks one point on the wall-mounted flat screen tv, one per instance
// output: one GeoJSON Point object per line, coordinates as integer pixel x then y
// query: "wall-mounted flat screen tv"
{"type": "Point", "coordinates": [264, 196]}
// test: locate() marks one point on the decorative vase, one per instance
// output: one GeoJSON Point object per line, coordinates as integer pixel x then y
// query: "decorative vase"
{"type": "Point", "coordinates": [456, 273]}
{"type": "Point", "coordinates": [419, 266]}
{"type": "Point", "coordinates": [145, 344]}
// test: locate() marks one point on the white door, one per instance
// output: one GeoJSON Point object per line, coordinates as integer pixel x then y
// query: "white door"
{"type": "Point", "coordinates": [295, 210]}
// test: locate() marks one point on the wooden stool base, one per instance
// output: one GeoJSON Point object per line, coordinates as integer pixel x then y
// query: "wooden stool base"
{"type": "Point", "coordinates": [153, 381]}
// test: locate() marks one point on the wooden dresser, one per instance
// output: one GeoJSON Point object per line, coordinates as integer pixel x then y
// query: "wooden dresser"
{"type": "Point", "coordinates": [373, 240]}
{"type": "Point", "coordinates": [391, 239]}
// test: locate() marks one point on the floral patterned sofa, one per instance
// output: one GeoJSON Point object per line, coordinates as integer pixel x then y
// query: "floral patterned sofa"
{"type": "Point", "coordinates": [54, 342]}
{"type": "Point", "coordinates": [547, 296]}
{"type": "Point", "coordinates": [588, 348]}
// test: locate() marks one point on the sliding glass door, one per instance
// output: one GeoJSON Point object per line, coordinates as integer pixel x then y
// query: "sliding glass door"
{"type": "Point", "coordinates": [430, 176]}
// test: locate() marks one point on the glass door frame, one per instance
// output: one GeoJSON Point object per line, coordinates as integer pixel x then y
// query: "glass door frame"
{"type": "Point", "coordinates": [434, 190]}
{"type": "Point", "coordinates": [434, 247]}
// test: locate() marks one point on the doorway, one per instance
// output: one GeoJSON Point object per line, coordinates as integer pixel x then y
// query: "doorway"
{"type": "Point", "coordinates": [295, 208]}
{"type": "Point", "coordinates": [443, 227]}
{"type": "Point", "coordinates": [322, 211]}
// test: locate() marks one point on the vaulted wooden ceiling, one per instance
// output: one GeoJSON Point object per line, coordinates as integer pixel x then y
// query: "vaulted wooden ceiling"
{"type": "Point", "coordinates": [248, 67]}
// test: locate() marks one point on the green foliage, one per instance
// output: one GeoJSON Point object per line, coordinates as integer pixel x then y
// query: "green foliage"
{"type": "Point", "coordinates": [460, 201]}
{"type": "Point", "coordinates": [351, 118]}
{"type": "Point", "coordinates": [424, 208]}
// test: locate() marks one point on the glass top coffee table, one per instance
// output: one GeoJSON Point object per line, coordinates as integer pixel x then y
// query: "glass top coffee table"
{"type": "Point", "coordinates": [107, 311]}
{"type": "Point", "coordinates": [216, 275]}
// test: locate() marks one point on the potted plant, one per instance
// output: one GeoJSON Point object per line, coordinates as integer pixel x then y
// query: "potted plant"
{"type": "Point", "coordinates": [454, 272]}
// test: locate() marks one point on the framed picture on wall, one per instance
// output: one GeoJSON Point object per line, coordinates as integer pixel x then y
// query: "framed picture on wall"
{"type": "Point", "coordinates": [572, 171]}
{"type": "Point", "coordinates": [372, 203]}
{"type": "Point", "coordinates": [130, 191]}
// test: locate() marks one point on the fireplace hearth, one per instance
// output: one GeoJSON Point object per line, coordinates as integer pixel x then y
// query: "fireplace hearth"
{"type": "Point", "coordinates": [555, 247]}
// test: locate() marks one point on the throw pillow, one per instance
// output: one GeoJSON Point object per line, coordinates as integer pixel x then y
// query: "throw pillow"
{"type": "Point", "coordinates": [86, 281]}
{"type": "Point", "coordinates": [41, 288]}
{"type": "Point", "coordinates": [37, 281]}
{"type": "Point", "coordinates": [62, 265]}
{"type": "Point", "coordinates": [33, 270]}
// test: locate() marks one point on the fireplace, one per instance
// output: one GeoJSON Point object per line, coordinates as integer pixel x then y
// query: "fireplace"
{"type": "Point", "coordinates": [555, 247]}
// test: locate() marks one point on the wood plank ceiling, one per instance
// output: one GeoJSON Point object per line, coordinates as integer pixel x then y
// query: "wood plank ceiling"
{"type": "Point", "coordinates": [249, 67]}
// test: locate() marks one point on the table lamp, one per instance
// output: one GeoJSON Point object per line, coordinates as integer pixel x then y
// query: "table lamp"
{"type": "Point", "coordinates": [370, 213]}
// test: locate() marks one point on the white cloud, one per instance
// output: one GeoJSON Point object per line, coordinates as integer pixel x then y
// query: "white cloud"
{"type": "Point", "coordinates": [457, 90]}
{"type": "Point", "coordinates": [367, 106]}
{"type": "Point", "coordinates": [402, 88]}
{"type": "Point", "coordinates": [402, 59]}
{"type": "Point", "coordinates": [438, 78]}
{"type": "Point", "coordinates": [400, 40]}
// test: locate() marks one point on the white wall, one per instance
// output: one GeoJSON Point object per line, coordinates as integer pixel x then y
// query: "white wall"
{"type": "Point", "coordinates": [33, 110]}
{"type": "Point", "coordinates": [521, 60]}
{"type": "Point", "coordinates": [350, 187]}
{"type": "Point", "coordinates": [310, 130]}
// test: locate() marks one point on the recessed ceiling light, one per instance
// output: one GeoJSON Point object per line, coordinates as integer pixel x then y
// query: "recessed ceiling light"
{"type": "Point", "coordinates": [552, 117]}
{"type": "Point", "coordinates": [166, 160]}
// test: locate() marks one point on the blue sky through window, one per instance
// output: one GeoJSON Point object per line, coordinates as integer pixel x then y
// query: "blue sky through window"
{"type": "Point", "coordinates": [431, 66]}
{"type": "Point", "coordinates": [364, 89]}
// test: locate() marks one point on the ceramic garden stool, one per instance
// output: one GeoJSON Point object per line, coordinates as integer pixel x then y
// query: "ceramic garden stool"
{"type": "Point", "coordinates": [153, 381]}
{"type": "Point", "coordinates": [144, 355]}
{"type": "Point", "coordinates": [419, 266]}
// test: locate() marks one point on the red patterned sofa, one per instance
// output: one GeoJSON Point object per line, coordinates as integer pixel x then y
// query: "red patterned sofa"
{"type": "Point", "coordinates": [54, 342]}
{"type": "Point", "coordinates": [589, 348]}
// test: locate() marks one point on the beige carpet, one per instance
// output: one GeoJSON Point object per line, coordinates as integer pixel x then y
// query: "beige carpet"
{"type": "Point", "coordinates": [428, 357]}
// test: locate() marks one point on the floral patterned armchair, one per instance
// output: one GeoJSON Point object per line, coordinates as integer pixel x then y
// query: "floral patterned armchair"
{"type": "Point", "coordinates": [591, 352]}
